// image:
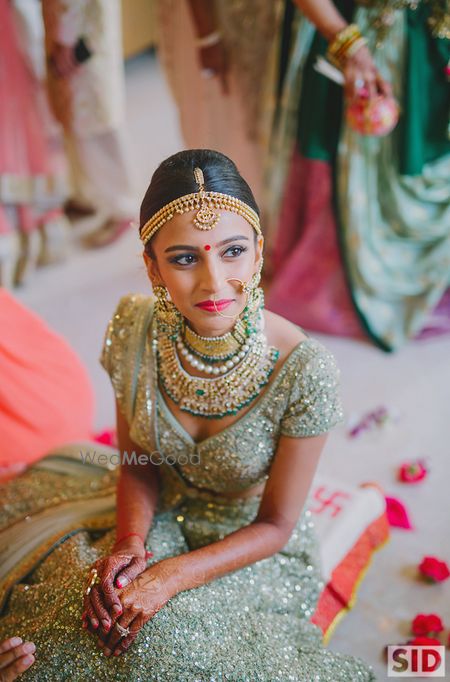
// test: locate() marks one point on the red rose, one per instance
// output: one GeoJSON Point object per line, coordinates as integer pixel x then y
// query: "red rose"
{"type": "Point", "coordinates": [424, 641]}
{"type": "Point", "coordinates": [412, 472]}
{"type": "Point", "coordinates": [433, 569]}
{"type": "Point", "coordinates": [424, 624]}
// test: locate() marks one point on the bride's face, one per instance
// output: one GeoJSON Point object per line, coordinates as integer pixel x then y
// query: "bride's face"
{"type": "Point", "coordinates": [198, 267]}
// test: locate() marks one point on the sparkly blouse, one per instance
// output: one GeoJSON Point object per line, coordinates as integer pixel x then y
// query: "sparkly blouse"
{"type": "Point", "coordinates": [301, 400]}
{"type": "Point", "coordinates": [254, 624]}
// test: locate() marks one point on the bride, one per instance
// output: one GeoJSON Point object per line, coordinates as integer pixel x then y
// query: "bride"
{"type": "Point", "coordinates": [206, 566]}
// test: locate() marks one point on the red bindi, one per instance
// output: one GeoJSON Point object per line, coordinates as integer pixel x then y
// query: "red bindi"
{"type": "Point", "coordinates": [207, 247]}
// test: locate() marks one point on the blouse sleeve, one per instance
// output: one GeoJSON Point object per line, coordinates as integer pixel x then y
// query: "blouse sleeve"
{"type": "Point", "coordinates": [119, 348]}
{"type": "Point", "coordinates": [314, 404]}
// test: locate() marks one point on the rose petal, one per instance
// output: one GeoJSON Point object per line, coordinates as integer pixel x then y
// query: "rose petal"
{"type": "Point", "coordinates": [397, 515]}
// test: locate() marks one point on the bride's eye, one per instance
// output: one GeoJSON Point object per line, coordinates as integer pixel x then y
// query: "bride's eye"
{"type": "Point", "coordinates": [177, 260]}
{"type": "Point", "coordinates": [239, 249]}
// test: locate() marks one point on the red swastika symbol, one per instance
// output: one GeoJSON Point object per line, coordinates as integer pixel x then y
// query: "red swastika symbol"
{"type": "Point", "coordinates": [328, 501]}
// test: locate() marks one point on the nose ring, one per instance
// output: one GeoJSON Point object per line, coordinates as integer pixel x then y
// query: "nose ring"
{"type": "Point", "coordinates": [244, 289]}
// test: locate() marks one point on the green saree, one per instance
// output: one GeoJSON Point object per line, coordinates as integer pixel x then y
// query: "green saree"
{"type": "Point", "coordinates": [391, 198]}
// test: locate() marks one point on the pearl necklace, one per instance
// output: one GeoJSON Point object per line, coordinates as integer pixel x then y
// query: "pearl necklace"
{"type": "Point", "coordinates": [221, 395]}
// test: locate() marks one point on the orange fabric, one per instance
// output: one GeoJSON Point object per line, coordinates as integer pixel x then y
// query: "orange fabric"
{"type": "Point", "coordinates": [339, 594]}
{"type": "Point", "coordinates": [46, 397]}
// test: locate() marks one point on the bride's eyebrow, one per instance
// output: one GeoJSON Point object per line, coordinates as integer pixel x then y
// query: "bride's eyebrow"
{"type": "Point", "coordinates": [186, 247]}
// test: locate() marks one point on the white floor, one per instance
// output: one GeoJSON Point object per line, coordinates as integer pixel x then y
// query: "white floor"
{"type": "Point", "coordinates": [77, 298]}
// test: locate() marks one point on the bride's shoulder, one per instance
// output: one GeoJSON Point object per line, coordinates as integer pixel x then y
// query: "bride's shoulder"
{"type": "Point", "coordinates": [282, 333]}
{"type": "Point", "coordinates": [125, 324]}
{"type": "Point", "coordinates": [128, 309]}
{"type": "Point", "coordinates": [133, 301]}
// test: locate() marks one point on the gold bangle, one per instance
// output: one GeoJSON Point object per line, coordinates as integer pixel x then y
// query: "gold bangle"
{"type": "Point", "coordinates": [342, 51]}
{"type": "Point", "coordinates": [93, 579]}
{"type": "Point", "coordinates": [345, 44]}
{"type": "Point", "coordinates": [343, 37]}
{"type": "Point", "coordinates": [354, 47]}
{"type": "Point", "coordinates": [338, 47]}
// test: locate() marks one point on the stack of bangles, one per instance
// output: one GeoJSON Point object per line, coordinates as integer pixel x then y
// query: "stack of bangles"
{"type": "Point", "coordinates": [345, 44]}
{"type": "Point", "coordinates": [128, 535]}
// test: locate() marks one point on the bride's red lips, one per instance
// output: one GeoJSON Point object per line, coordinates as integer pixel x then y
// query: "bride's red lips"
{"type": "Point", "coordinates": [212, 305]}
{"type": "Point", "coordinates": [209, 302]}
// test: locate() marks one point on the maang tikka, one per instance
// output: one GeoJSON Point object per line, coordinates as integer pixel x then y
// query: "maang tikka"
{"type": "Point", "coordinates": [206, 205]}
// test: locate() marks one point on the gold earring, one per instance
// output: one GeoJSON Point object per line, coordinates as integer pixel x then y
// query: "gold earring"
{"type": "Point", "coordinates": [167, 314]}
{"type": "Point", "coordinates": [255, 300]}
{"type": "Point", "coordinates": [255, 279]}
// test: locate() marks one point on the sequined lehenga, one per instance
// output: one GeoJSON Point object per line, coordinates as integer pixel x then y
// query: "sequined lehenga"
{"type": "Point", "coordinates": [252, 624]}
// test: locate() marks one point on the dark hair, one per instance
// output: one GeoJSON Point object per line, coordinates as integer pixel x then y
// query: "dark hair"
{"type": "Point", "coordinates": [174, 178]}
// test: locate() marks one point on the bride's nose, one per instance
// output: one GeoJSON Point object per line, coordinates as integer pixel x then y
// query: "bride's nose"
{"type": "Point", "coordinates": [212, 276]}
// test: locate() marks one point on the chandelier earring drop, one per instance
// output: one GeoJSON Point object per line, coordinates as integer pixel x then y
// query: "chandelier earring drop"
{"type": "Point", "coordinates": [167, 314]}
{"type": "Point", "coordinates": [255, 300]}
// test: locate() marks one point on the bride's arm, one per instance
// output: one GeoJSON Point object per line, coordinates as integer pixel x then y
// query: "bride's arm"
{"type": "Point", "coordinates": [137, 496]}
{"type": "Point", "coordinates": [284, 496]}
{"type": "Point", "coordinates": [137, 492]}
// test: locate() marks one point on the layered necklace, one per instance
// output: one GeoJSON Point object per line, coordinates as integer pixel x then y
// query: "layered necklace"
{"type": "Point", "coordinates": [240, 363]}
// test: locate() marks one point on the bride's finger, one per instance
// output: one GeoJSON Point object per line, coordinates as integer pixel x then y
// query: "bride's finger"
{"type": "Point", "coordinates": [115, 634]}
{"type": "Point", "coordinates": [103, 616]}
{"type": "Point", "coordinates": [127, 575]}
{"type": "Point", "coordinates": [100, 635]}
{"type": "Point", "coordinates": [116, 564]}
{"type": "Point", "coordinates": [124, 644]}
{"type": "Point", "coordinates": [90, 615]}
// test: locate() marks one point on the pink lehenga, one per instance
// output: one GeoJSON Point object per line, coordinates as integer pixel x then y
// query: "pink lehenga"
{"type": "Point", "coordinates": [32, 187]}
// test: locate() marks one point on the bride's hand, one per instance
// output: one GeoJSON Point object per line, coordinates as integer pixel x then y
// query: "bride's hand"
{"type": "Point", "coordinates": [102, 605]}
{"type": "Point", "coordinates": [144, 597]}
